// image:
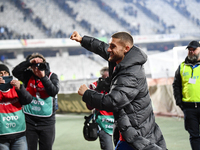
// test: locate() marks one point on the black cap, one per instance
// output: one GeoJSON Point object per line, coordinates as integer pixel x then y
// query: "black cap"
{"type": "Point", "coordinates": [4, 68]}
{"type": "Point", "coordinates": [194, 44]}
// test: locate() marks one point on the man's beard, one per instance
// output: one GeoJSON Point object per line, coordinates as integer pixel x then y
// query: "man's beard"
{"type": "Point", "coordinates": [114, 59]}
{"type": "Point", "coordinates": [194, 58]}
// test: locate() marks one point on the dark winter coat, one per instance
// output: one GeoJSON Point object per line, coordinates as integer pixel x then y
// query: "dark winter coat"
{"type": "Point", "coordinates": [128, 98]}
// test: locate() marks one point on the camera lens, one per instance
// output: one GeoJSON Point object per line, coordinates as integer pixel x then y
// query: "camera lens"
{"type": "Point", "coordinates": [40, 66]}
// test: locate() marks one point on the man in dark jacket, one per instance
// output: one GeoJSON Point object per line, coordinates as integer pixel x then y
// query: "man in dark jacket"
{"type": "Point", "coordinates": [128, 98]}
{"type": "Point", "coordinates": [43, 85]}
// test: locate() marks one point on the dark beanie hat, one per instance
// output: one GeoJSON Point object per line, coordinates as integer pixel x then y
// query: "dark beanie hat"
{"type": "Point", "coordinates": [4, 68]}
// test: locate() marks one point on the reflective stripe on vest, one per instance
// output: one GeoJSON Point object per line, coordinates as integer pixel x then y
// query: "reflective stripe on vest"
{"type": "Point", "coordinates": [190, 91]}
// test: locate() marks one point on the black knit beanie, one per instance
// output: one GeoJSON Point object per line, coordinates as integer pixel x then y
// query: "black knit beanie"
{"type": "Point", "coordinates": [4, 68]}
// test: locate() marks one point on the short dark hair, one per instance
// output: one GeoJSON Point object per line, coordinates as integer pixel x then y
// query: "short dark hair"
{"type": "Point", "coordinates": [124, 37]}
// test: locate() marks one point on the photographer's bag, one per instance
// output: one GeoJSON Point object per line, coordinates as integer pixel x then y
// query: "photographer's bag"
{"type": "Point", "coordinates": [90, 129]}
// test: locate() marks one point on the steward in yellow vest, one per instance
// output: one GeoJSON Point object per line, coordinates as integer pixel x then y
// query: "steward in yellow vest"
{"type": "Point", "coordinates": [186, 87]}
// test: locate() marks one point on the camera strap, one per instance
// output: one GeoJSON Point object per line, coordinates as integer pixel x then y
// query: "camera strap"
{"type": "Point", "coordinates": [37, 92]}
{"type": "Point", "coordinates": [37, 81]}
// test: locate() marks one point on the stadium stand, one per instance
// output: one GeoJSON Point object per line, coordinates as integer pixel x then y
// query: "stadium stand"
{"type": "Point", "coordinates": [58, 18]}
{"type": "Point", "coordinates": [88, 11]}
{"type": "Point", "coordinates": [142, 24]}
{"type": "Point", "coordinates": [13, 19]}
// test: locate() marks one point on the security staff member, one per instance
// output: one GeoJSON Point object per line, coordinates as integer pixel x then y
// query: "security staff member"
{"type": "Point", "coordinates": [186, 92]}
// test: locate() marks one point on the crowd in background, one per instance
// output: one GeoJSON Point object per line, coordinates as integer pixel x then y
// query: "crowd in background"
{"type": "Point", "coordinates": [28, 13]}
{"type": "Point", "coordinates": [6, 33]}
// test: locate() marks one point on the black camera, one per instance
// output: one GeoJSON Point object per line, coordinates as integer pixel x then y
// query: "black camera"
{"type": "Point", "coordinates": [6, 85]}
{"type": "Point", "coordinates": [103, 84]}
{"type": "Point", "coordinates": [40, 66]}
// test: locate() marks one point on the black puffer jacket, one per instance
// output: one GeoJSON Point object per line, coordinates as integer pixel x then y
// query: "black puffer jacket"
{"type": "Point", "coordinates": [128, 98]}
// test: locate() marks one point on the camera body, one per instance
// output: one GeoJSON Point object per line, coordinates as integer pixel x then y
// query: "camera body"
{"type": "Point", "coordinates": [6, 85]}
{"type": "Point", "coordinates": [103, 84]}
{"type": "Point", "coordinates": [40, 66]}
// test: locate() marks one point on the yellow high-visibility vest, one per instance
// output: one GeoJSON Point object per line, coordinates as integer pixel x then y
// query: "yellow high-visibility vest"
{"type": "Point", "coordinates": [190, 82]}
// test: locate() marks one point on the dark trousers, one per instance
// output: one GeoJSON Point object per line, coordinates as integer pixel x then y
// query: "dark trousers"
{"type": "Point", "coordinates": [192, 121]}
{"type": "Point", "coordinates": [105, 140]}
{"type": "Point", "coordinates": [45, 135]}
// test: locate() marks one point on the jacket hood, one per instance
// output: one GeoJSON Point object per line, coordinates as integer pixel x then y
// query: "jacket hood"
{"type": "Point", "coordinates": [135, 56]}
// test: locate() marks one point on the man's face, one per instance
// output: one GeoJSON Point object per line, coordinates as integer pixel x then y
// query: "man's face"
{"type": "Point", "coordinates": [116, 50]}
{"type": "Point", "coordinates": [105, 74]}
{"type": "Point", "coordinates": [194, 54]}
{"type": "Point", "coordinates": [4, 73]}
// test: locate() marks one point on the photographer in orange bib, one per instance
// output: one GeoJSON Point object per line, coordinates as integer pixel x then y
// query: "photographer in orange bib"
{"type": "Point", "coordinates": [13, 96]}
{"type": "Point", "coordinates": [43, 85]}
